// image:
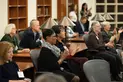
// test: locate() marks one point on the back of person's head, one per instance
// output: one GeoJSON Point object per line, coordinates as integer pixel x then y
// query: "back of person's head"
{"type": "Point", "coordinates": [50, 77]}
{"type": "Point", "coordinates": [9, 28]}
{"type": "Point", "coordinates": [57, 28]}
{"type": "Point", "coordinates": [47, 32]}
{"type": "Point", "coordinates": [72, 7]}
{"type": "Point", "coordinates": [83, 19]}
{"type": "Point", "coordinates": [4, 48]}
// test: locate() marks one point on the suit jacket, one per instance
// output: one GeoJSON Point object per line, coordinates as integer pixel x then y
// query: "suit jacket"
{"type": "Point", "coordinates": [47, 60]}
{"type": "Point", "coordinates": [29, 40]}
{"type": "Point", "coordinates": [95, 42]}
{"type": "Point", "coordinates": [8, 71]}
{"type": "Point", "coordinates": [106, 36]}
{"type": "Point", "coordinates": [78, 28]}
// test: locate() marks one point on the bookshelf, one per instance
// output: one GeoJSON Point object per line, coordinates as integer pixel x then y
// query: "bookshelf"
{"type": "Point", "coordinates": [63, 6]}
{"type": "Point", "coordinates": [114, 8]}
{"type": "Point", "coordinates": [43, 10]}
{"type": "Point", "coordinates": [70, 2]}
{"type": "Point", "coordinates": [17, 13]}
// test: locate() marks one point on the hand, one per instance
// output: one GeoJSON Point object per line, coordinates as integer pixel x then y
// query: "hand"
{"type": "Point", "coordinates": [26, 50]}
{"type": "Point", "coordinates": [64, 54]}
{"type": "Point", "coordinates": [110, 44]}
{"type": "Point", "coordinates": [120, 31]}
{"type": "Point", "coordinates": [90, 9]}
{"type": "Point", "coordinates": [76, 34]}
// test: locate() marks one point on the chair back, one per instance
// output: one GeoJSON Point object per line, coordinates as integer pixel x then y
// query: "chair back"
{"type": "Point", "coordinates": [97, 70]}
{"type": "Point", "coordinates": [85, 36]}
{"type": "Point", "coordinates": [34, 56]}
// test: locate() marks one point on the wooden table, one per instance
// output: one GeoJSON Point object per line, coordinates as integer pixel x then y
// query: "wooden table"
{"type": "Point", "coordinates": [23, 60]}
{"type": "Point", "coordinates": [76, 44]}
{"type": "Point", "coordinates": [76, 39]}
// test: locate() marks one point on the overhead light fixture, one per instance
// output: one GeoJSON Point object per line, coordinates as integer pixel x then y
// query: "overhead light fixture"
{"type": "Point", "coordinates": [66, 22]}
{"type": "Point", "coordinates": [108, 17]}
{"type": "Point", "coordinates": [49, 23]}
{"type": "Point", "coordinates": [98, 17]}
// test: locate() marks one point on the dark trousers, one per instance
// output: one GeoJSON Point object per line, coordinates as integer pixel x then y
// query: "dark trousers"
{"type": "Point", "coordinates": [113, 60]}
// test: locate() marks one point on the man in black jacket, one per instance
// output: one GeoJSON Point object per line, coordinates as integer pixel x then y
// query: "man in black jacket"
{"type": "Point", "coordinates": [31, 37]}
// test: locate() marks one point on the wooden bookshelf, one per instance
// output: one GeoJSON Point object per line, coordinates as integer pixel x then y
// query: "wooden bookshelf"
{"type": "Point", "coordinates": [70, 2]}
{"type": "Point", "coordinates": [44, 10]}
{"type": "Point", "coordinates": [17, 13]}
{"type": "Point", "coordinates": [64, 8]}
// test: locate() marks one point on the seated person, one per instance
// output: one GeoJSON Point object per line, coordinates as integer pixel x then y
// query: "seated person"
{"type": "Point", "coordinates": [10, 36]}
{"type": "Point", "coordinates": [71, 33]}
{"type": "Point", "coordinates": [77, 61]}
{"type": "Point", "coordinates": [95, 42]}
{"type": "Point", "coordinates": [50, 77]}
{"type": "Point", "coordinates": [80, 28]}
{"type": "Point", "coordinates": [8, 68]}
{"type": "Point", "coordinates": [49, 54]}
{"type": "Point", "coordinates": [31, 38]}
{"type": "Point", "coordinates": [110, 39]}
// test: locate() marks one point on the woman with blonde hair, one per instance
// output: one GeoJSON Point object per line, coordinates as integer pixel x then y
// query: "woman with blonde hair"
{"type": "Point", "coordinates": [9, 71]}
{"type": "Point", "coordinates": [10, 36]}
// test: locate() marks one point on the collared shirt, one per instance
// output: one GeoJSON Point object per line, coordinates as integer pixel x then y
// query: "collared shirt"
{"type": "Point", "coordinates": [82, 26]}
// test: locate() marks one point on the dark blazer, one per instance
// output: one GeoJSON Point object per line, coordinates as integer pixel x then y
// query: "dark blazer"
{"type": "Point", "coordinates": [94, 42]}
{"type": "Point", "coordinates": [106, 36]}
{"type": "Point", "coordinates": [8, 71]}
{"type": "Point", "coordinates": [29, 41]}
{"type": "Point", "coordinates": [47, 61]}
{"type": "Point", "coordinates": [12, 40]}
{"type": "Point", "coordinates": [78, 28]}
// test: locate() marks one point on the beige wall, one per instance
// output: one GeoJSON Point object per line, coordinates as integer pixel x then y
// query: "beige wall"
{"type": "Point", "coordinates": [32, 11]}
{"type": "Point", "coordinates": [3, 16]}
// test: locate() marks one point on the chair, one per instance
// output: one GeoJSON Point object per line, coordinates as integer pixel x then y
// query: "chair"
{"type": "Point", "coordinates": [34, 56]}
{"type": "Point", "coordinates": [97, 70]}
{"type": "Point", "coordinates": [92, 54]}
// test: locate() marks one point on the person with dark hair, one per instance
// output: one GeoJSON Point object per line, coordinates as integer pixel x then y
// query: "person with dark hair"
{"type": "Point", "coordinates": [50, 57]}
{"type": "Point", "coordinates": [86, 13]}
{"type": "Point", "coordinates": [50, 77]}
{"type": "Point", "coordinates": [31, 38]}
{"type": "Point", "coordinates": [71, 63]}
{"type": "Point", "coordinates": [80, 28]}
{"type": "Point", "coordinates": [9, 71]}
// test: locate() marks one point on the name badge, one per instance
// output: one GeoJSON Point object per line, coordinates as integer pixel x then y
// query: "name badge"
{"type": "Point", "coordinates": [20, 74]}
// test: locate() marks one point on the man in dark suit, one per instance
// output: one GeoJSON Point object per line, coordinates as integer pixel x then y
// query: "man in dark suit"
{"type": "Point", "coordinates": [80, 28]}
{"type": "Point", "coordinates": [31, 37]}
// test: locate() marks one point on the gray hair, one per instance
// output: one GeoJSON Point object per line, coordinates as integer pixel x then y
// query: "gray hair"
{"type": "Point", "coordinates": [93, 25]}
{"type": "Point", "coordinates": [105, 23]}
{"type": "Point", "coordinates": [8, 28]}
{"type": "Point", "coordinates": [32, 22]}
{"type": "Point", "coordinates": [50, 77]}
